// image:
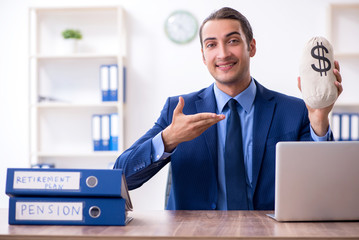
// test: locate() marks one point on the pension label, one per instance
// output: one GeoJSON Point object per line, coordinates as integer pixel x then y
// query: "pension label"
{"type": "Point", "coordinates": [59, 211]}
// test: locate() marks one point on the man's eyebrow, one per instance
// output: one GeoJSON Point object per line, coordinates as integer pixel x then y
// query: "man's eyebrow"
{"type": "Point", "coordinates": [227, 35]}
{"type": "Point", "coordinates": [210, 38]}
{"type": "Point", "coordinates": [233, 33]}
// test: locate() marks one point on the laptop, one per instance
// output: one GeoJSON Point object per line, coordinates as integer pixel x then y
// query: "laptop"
{"type": "Point", "coordinates": [317, 181]}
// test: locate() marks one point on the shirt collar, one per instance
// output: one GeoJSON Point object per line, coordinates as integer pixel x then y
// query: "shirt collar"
{"type": "Point", "coordinates": [245, 98]}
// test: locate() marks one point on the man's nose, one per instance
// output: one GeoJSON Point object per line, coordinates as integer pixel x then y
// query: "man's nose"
{"type": "Point", "coordinates": [223, 51]}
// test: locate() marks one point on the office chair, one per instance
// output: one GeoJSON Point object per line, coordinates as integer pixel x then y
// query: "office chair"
{"type": "Point", "coordinates": [168, 185]}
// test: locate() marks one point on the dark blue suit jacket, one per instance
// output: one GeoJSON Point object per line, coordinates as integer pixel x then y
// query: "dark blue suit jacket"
{"type": "Point", "coordinates": [277, 117]}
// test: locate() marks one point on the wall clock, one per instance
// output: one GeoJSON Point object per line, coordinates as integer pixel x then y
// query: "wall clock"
{"type": "Point", "coordinates": [181, 27]}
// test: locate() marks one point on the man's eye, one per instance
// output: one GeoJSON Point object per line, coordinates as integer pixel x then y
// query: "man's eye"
{"type": "Point", "coordinates": [233, 41]}
{"type": "Point", "coordinates": [210, 45]}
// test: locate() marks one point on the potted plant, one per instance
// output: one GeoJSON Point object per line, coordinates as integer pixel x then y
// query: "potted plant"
{"type": "Point", "coordinates": [71, 37]}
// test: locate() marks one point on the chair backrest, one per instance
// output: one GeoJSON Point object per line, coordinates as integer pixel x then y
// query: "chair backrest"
{"type": "Point", "coordinates": [169, 182]}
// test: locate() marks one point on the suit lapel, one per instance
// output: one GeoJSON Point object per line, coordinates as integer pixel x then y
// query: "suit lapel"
{"type": "Point", "coordinates": [207, 103]}
{"type": "Point", "coordinates": [263, 115]}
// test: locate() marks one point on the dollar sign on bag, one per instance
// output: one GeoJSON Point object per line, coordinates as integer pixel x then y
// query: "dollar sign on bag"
{"type": "Point", "coordinates": [321, 59]}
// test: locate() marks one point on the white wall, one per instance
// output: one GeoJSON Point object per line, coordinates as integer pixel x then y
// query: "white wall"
{"type": "Point", "coordinates": [157, 68]}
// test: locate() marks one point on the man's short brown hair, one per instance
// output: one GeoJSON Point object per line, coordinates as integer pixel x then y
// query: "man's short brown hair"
{"type": "Point", "coordinates": [229, 13]}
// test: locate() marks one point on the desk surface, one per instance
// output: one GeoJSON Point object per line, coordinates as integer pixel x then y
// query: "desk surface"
{"type": "Point", "coordinates": [186, 225]}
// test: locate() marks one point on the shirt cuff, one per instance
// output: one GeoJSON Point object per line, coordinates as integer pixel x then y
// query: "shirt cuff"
{"type": "Point", "coordinates": [158, 149]}
{"type": "Point", "coordinates": [316, 138]}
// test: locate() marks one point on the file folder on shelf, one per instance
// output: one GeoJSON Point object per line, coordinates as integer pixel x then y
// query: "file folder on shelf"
{"type": "Point", "coordinates": [124, 84]}
{"type": "Point", "coordinates": [67, 182]}
{"type": "Point", "coordinates": [68, 211]}
{"type": "Point", "coordinates": [114, 132]}
{"type": "Point", "coordinates": [355, 127]}
{"type": "Point", "coordinates": [105, 132]}
{"type": "Point", "coordinates": [105, 82]}
{"type": "Point", "coordinates": [96, 132]}
{"type": "Point", "coordinates": [113, 93]}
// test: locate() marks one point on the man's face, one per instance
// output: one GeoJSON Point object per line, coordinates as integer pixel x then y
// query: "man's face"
{"type": "Point", "coordinates": [225, 51]}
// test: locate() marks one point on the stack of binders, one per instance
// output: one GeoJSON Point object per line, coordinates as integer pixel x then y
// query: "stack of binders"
{"type": "Point", "coordinates": [109, 82]}
{"type": "Point", "coordinates": [105, 132]}
{"type": "Point", "coordinates": [67, 197]}
{"type": "Point", "coordinates": [345, 126]}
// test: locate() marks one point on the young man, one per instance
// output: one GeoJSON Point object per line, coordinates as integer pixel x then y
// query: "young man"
{"type": "Point", "coordinates": [193, 130]}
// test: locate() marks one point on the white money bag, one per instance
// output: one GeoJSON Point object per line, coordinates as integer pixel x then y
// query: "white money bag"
{"type": "Point", "coordinates": [316, 73]}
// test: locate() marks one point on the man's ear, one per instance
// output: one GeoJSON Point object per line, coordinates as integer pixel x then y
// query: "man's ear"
{"type": "Point", "coordinates": [203, 58]}
{"type": "Point", "coordinates": [252, 48]}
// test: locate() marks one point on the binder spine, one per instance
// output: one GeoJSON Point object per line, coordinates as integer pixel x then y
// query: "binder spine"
{"type": "Point", "coordinates": [105, 132]}
{"type": "Point", "coordinates": [355, 127]}
{"type": "Point", "coordinates": [113, 82]}
{"type": "Point", "coordinates": [67, 211]}
{"type": "Point", "coordinates": [105, 82]}
{"type": "Point", "coordinates": [340, 127]}
{"type": "Point", "coordinates": [114, 132]}
{"type": "Point", "coordinates": [124, 84]}
{"type": "Point", "coordinates": [96, 132]}
{"type": "Point", "coordinates": [335, 126]}
{"type": "Point", "coordinates": [64, 182]}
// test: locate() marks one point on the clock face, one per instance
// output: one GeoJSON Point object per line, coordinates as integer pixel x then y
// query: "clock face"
{"type": "Point", "coordinates": [181, 27]}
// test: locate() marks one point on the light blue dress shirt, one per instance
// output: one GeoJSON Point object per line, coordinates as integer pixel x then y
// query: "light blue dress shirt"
{"type": "Point", "coordinates": [245, 109]}
{"type": "Point", "coordinates": [246, 114]}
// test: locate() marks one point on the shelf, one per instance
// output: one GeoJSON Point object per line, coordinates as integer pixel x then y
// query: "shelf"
{"type": "Point", "coordinates": [73, 56]}
{"type": "Point", "coordinates": [98, 154]}
{"type": "Point", "coordinates": [68, 9]}
{"type": "Point", "coordinates": [346, 55]}
{"type": "Point", "coordinates": [50, 105]}
{"type": "Point", "coordinates": [350, 107]}
{"type": "Point", "coordinates": [344, 6]}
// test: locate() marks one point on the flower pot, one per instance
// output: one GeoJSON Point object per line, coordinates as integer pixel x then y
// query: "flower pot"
{"type": "Point", "coordinates": [70, 46]}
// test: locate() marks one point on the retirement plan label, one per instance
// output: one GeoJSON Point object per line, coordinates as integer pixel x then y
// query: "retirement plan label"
{"type": "Point", "coordinates": [46, 180]}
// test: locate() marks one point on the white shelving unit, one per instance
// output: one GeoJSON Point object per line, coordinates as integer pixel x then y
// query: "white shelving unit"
{"type": "Point", "coordinates": [61, 126]}
{"type": "Point", "coordinates": [343, 32]}
{"type": "Point", "coordinates": [344, 36]}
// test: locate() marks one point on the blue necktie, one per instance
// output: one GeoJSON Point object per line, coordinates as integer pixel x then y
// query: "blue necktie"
{"type": "Point", "coordinates": [234, 162]}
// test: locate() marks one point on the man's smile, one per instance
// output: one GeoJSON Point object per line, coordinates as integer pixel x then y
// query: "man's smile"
{"type": "Point", "coordinates": [225, 66]}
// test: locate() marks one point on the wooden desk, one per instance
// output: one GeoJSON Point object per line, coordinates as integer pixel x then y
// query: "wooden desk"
{"type": "Point", "coordinates": [187, 225]}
